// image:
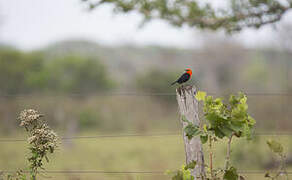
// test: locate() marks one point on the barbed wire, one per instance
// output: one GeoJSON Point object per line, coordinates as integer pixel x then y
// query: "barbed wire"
{"type": "Point", "coordinates": [139, 135]}
{"type": "Point", "coordinates": [126, 172]}
{"type": "Point", "coordinates": [101, 136]}
{"type": "Point", "coordinates": [134, 94]}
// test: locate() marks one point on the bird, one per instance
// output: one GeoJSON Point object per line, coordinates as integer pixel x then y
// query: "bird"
{"type": "Point", "coordinates": [184, 77]}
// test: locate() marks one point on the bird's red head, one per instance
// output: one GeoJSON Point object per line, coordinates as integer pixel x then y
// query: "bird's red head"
{"type": "Point", "coordinates": [189, 71]}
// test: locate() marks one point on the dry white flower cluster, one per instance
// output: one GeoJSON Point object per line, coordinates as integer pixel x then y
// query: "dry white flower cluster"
{"type": "Point", "coordinates": [42, 138]}
{"type": "Point", "coordinates": [29, 118]}
{"type": "Point", "coordinates": [41, 135]}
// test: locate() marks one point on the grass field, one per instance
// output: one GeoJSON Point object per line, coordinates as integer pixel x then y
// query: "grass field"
{"type": "Point", "coordinates": [127, 115]}
{"type": "Point", "coordinates": [157, 153]}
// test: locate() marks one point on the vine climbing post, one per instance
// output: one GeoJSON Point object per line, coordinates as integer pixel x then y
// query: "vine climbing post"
{"type": "Point", "coordinates": [188, 108]}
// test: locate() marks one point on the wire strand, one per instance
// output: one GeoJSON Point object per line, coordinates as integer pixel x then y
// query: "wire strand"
{"type": "Point", "coordinates": [139, 135]}
{"type": "Point", "coordinates": [125, 172]}
{"type": "Point", "coordinates": [135, 94]}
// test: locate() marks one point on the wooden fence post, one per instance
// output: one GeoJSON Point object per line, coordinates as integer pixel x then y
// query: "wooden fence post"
{"type": "Point", "coordinates": [188, 107]}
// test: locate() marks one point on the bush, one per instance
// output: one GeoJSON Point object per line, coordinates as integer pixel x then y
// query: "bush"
{"type": "Point", "coordinates": [89, 119]}
{"type": "Point", "coordinates": [30, 72]}
{"type": "Point", "coordinates": [156, 81]}
{"type": "Point", "coordinates": [77, 74]}
{"type": "Point", "coordinates": [18, 71]}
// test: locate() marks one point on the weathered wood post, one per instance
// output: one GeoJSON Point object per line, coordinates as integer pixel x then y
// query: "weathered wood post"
{"type": "Point", "coordinates": [188, 107]}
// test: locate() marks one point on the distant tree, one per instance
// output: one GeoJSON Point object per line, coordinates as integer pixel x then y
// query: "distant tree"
{"type": "Point", "coordinates": [30, 72]}
{"type": "Point", "coordinates": [155, 81]}
{"type": "Point", "coordinates": [77, 74]}
{"type": "Point", "coordinates": [10, 70]}
{"type": "Point", "coordinates": [234, 16]}
{"type": "Point", "coordinates": [18, 70]}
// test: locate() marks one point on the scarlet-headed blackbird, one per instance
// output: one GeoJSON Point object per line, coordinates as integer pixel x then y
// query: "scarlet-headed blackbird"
{"type": "Point", "coordinates": [185, 77]}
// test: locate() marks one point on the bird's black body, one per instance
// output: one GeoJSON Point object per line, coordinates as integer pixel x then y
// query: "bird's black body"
{"type": "Point", "coordinates": [184, 78]}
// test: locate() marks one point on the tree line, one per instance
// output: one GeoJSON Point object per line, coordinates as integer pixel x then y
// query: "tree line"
{"type": "Point", "coordinates": [35, 72]}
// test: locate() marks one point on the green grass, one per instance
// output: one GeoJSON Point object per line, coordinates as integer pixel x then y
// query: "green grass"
{"type": "Point", "coordinates": [135, 154]}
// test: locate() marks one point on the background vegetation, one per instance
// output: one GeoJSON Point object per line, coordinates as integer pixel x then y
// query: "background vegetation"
{"type": "Point", "coordinates": [97, 91]}
{"type": "Point", "coordinates": [87, 89]}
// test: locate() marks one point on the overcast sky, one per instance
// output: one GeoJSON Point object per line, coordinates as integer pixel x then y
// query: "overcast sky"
{"type": "Point", "coordinates": [30, 24]}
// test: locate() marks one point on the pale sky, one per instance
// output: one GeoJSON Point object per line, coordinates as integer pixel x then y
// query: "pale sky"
{"type": "Point", "coordinates": [31, 24]}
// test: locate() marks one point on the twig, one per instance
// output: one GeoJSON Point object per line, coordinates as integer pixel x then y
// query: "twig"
{"type": "Point", "coordinates": [227, 160]}
{"type": "Point", "coordinates": [211, 157]}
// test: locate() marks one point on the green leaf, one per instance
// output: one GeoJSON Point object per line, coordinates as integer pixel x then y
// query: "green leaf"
{"type": "Point", "coordinates": [242, 98]}
{"type": "Point", "coordinates": [209, 99]}
{"type": "Point", "coordinates": [239, 112]}
{"type": "Point", "coordinates": [250, 120]}
{"type": "Point", "coordinates": [191, 131]}
{"type": "Point", "coordinates": [184, 119]}
{"type": "Point", "coordinates": [218, 102]}
{"type": "Point", "coordinates": [204, 138]}
{"type": "Point", "coordinates": [205, 128]}
{"type": "Point", "coordinates": [233, 100]}
{"type": "Point", "coordinates": [237, 125]}
{"type": "Point", "coordinates": [230, 174]}
{"type": "Point", "coordinates": [200, 95]}
{"type": "Point", "coordinates": [275, 146]}
{"type": "Point", "coordinates": [184, 173]}
{"type": "Point", "coordinates": [178, 176]}
{"type": "Point", "coordinates": [191, 165]}
{"type": "Point", "coordinates": [214, 119]}
{"type": "Point", "coordinates": [219, 133]}
{"type": "Point", "coordinates": [247, 131]}
{"type": "Point", "coordinates": [226, 130]}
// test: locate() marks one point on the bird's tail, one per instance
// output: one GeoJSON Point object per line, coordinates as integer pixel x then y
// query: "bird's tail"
{"type": "Point", "coordinates": [173, 83]}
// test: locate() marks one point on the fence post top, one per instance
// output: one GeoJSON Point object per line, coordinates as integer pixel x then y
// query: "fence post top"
{"type": "Point", "coordinates": [186, 88]}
